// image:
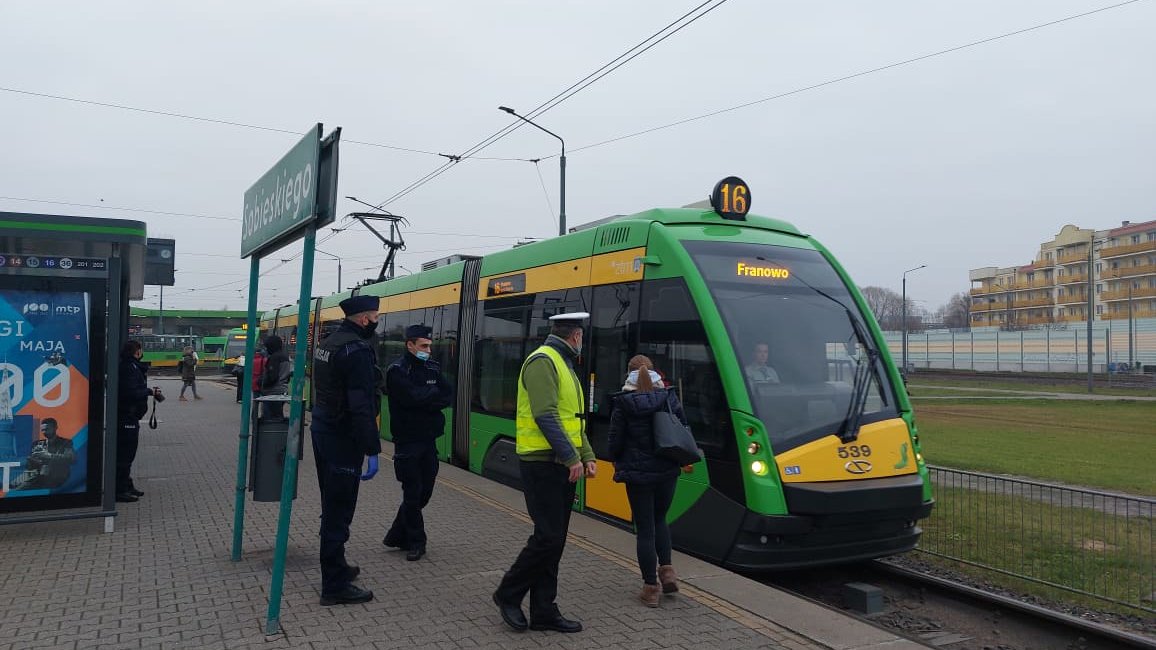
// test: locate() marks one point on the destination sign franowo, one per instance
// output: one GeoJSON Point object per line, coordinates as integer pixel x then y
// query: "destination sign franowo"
{"type": "Point", "coordinates": [745, 270]}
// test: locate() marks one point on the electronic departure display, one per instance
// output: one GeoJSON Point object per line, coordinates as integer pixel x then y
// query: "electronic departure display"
{"type": "Point", "coordinates": [761, 270]}
{"type": "Point", "coordinates": [731, 198]}
{"type": "Point", "coordinates": [506, 285]}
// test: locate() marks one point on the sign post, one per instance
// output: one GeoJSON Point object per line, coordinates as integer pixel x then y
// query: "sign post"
{"type": "Point", "coordinates": [292, 200]}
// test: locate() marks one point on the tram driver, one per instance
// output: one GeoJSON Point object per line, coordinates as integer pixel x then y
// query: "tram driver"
{"type": "Point", "coordinates": [758, 371]}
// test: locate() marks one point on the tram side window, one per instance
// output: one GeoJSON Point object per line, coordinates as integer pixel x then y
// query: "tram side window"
{"type": "Point", "coordinates": [498, 355]}
{"type": "Point", "coordinates": [391, 334]}
{"type": "Point", "coordinates": [611, 343]}
{"type": "Point", "coordinates": [673, 337]}
{"type": "Point", "coordinates": [444, 322]}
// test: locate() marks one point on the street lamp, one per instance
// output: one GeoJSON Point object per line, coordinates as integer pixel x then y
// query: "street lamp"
{"type": "Point", "coordinates": [1091, 296]}
{"type": "Point", "coordinates": [904, 306]}
{"type": "Point", "coordinates": [561, 168]}
{"type": "Point", "coordinates": [318, 250]}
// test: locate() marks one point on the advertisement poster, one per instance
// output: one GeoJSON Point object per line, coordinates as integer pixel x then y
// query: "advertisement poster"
{"type": "Point", "coordinates": [44, 395]}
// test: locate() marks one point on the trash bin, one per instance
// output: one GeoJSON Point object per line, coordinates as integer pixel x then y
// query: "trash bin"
{"type": "Point", "coordinates": [270, 437]}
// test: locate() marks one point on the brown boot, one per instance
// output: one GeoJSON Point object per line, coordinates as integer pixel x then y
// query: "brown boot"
{"type": "Point", "coordinates": [650, 595]}
{"type": "Point", "coordinates": [668, 578]}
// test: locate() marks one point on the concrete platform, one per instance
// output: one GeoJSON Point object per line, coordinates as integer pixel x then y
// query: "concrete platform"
{"type": "Point", "coordinates": [164, 578]}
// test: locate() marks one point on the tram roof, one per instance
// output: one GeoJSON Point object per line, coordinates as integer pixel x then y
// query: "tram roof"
{"type": "Point", "coordinates": [579, 242]}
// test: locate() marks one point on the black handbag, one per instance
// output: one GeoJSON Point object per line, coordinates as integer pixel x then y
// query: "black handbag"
{"type": "Point", "coordinates": [673, 439]}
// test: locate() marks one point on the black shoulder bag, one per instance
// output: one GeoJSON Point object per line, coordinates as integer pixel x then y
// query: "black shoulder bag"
{"type": "Point", "coordinates": [673, 439]}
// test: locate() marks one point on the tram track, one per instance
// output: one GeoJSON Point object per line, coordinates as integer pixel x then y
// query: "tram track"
{"type": "Point", "coordinates": [942, 611]}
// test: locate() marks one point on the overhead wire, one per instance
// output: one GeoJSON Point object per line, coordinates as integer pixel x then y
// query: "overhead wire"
{"type": "Point", "coordinates": [549, 205]}
{"type": "Point", "coordinates": [573, 89]}
{"type": "Point", "coordinates": [849, 77]}
{"type": "Point", "coordinates": [198, 118]}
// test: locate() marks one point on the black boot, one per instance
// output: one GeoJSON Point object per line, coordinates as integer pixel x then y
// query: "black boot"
{"type": "Point", "coordinates": [350, 595]}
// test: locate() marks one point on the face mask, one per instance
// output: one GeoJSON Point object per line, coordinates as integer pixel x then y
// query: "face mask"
{"type": "Point", "coordinates": [422, 354]}
{"type": "Point", "coordinates": [369, 329]}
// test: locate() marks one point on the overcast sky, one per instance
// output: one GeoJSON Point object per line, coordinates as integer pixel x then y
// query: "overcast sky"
{"type": "Point", "coordinates": [959, 161]}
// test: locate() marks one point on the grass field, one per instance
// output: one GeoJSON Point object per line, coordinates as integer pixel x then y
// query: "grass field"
{"type": "Point", "coordinates": [952, 392]}
{"type": "Point", "coordinates": [1101, 388]}
{"type": "Point", "coordinates": [1108, 444]}
{"type": "Point", "coordinates": [1080, 548]}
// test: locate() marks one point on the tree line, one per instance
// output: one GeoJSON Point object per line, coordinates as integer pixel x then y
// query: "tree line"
{"type": "Point", "coordinates": [887, 305]}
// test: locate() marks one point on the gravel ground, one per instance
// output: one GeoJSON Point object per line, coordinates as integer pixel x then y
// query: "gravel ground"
{"type": "Point", "coordinates": [941, 619]}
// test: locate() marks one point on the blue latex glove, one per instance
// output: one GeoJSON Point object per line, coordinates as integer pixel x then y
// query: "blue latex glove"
{"type": "Point", "coordinates": [372, 469]}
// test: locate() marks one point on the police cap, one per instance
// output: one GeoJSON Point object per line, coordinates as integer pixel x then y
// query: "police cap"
{"type": "Point", "coordinates": [573, 317]}
{"type": "Point", "coordinates": [359, 304]}
{"type": "Point", "coordinates": [418, 332]}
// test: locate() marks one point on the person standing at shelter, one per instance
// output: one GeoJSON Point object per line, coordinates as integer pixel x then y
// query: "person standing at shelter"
{"type": "Point", "coordinates": [239, 373]}
{"type": "Point", "coordinates": [344, 432]}
{"type": "Point", "coordinates": [259, 358]}
{"type": "Point", "coordinates": [417, 394]}
{"type": "Point", "coordinates": [275, 377]}
{"type": "Point", "coordinates": [132, 403]}
{"type": "Point", "coordinates": [553, 453]}
{"type": "Point", "coordinates": [650, 479]}
{"type": "Point", "coordinates": [188, 368]}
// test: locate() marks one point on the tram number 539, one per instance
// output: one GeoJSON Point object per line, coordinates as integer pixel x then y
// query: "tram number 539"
{"type": "Point", "coordinates": [854, 451]}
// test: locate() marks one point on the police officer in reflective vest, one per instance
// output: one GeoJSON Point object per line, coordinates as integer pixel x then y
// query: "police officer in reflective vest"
{"type": "Point", "coordinates": [417, 394]}
{"type": "Point", "coordinates": [345, 380]}
{"type": "Point", "coordinates": [553, 453]}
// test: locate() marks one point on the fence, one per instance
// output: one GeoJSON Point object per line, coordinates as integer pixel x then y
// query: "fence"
{"type": "Point", "coordinates": [1096, 544]}
{"type": "Point", "coordinates": [1039, 350]}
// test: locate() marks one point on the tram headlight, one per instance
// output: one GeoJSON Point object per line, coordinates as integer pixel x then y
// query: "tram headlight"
{"type": "Point", "coordinates": [759, 468]}
{"type": "Point", "coordinates": [753, 448]}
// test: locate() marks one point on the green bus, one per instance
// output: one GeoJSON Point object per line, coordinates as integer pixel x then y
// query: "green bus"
{"type": "Point", "coordinates": [821, 465]}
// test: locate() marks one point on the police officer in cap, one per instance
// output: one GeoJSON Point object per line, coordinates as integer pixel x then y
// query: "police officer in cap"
{"type": "Point", "coordinates": [345, 379]}
{"type": "Point", "coordinates": [417, 394]}
{"type": "Point", "coordinates": [553, 453]}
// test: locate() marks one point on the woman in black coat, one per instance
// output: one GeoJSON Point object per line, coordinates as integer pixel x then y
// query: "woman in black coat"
{"type": "Point", "coordinates": [650, 479]}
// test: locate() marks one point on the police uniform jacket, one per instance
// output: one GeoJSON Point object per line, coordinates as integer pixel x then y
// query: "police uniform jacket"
{"type": "Point", "coordinates": [133, 390]}
{"type": "Point", "coordinates": [345, 388]}
{"type": "Point", "coordinates": [417, 393]}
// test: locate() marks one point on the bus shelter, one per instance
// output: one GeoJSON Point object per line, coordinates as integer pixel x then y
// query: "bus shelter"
{"type": "Point", "coordinates": [65, 283]}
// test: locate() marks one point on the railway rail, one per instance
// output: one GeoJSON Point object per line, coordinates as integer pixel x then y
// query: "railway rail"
{"type": "Point", "coordinates": [942, 611]}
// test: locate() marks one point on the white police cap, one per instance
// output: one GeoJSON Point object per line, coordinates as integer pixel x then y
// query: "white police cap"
{"type": "Point", "coordinates": [574, 315]}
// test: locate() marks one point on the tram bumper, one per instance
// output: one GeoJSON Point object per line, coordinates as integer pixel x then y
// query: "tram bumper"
{"type": "Point", "coordinates": [833, 522]}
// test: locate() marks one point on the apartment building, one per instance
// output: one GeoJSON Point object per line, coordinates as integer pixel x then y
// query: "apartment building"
{"type": "Point", "coordinates": [1054, 287]}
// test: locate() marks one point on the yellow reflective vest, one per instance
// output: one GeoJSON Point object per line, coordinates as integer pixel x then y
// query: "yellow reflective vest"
{"type": "Point", "coordinates": [570, 404]}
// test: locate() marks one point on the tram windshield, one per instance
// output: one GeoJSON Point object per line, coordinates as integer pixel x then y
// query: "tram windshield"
{"type": "Point", "coordinates": [790, 320]}
{"type": "Point", "coordinates": [235, 346]}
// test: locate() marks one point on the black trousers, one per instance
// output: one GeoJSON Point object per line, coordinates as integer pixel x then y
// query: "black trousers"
{"type": "Point", "coordinates": [649, 504]}
{"type": "Point", "coordinates": [549, 498]}
{"type": "Point", "coordinates": [240, 384]}
{"type": "Point", "coordinates": [338, 477]}
{"type": "Point", "coordinates": [416, 466]}
{"type": "Point", "coordinates": [127, 442]}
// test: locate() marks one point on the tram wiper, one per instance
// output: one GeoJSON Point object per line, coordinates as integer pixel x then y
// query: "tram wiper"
{"type": "Point", "coordinates": [861, 387]}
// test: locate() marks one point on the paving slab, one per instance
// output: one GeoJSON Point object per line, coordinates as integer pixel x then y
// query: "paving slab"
{"type": "Point", "coordinates": [164, 578]}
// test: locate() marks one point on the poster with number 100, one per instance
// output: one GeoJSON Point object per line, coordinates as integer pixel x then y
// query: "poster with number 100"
{"type": "Point", "coordinates": [44, 393]}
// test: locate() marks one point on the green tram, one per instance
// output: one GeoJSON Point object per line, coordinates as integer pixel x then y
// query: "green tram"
{"type": "Point", "coordinates": [233, 348]}
{"type": "Point", "coordinates": [163, 351]}
{"type": "Point", "coordinates": [818, 464]}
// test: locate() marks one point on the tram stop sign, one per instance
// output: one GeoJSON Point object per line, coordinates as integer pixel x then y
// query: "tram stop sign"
{"type": "Point", "coordinates": [298, 191]}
